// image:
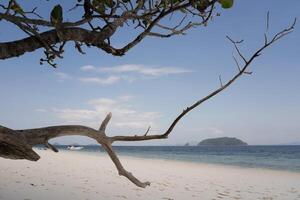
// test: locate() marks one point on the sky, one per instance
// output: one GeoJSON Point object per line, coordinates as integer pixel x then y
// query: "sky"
{"type": "Point", "coordinates": [158, 78]}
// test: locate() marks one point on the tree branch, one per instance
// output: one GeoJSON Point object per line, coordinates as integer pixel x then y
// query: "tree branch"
{"type": "Point", "coordinates": [241, 71]}
{"type": "Point", "coordinates": [17, 144]}
{"type": "Point", "coordinates": [29, 44]}
{"type": "Point", "coordinates": [122, 172]}
{"type": "Point", "coordinates": [142, 14]}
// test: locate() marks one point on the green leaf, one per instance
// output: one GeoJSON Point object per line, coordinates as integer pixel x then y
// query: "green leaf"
{"type": "Point", "coordinates": [145, 22]}
{"type": "Point", "coordinates": [226, 3]}
{"type": "Point", "coordinates": [56, 15]}
{"type": "Point", "coordinates": [183, 10]}
{"type": "Point", "coordinates": [109, 3]}
{"type": "Point", "coordinates": [99, 6]}
{"type": "Point", "coordinates": [17, 8]}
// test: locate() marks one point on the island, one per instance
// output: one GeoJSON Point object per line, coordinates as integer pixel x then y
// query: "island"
{"type": "Point", "coordinates": [222, 141]}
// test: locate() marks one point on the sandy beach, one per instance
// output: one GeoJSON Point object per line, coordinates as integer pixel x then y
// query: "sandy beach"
{"type": "Point", "coordinates": [74, 175]}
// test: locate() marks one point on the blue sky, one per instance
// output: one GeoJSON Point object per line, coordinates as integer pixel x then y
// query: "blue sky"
{"type": "Point", "coordinates": [154, 81]}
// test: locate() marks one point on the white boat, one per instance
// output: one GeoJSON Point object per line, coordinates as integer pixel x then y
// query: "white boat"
{"type": "Point", "coordinates": [74, 148]}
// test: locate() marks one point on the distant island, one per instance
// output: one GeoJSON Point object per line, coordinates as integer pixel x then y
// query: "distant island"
{"type": "Point", "coordinates": [186, 144]}
{"type": "Point", "coordinates": [222, 141]}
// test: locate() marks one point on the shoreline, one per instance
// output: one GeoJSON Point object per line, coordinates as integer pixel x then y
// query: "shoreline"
{"type": "Point", "coordinates": [196, 163]}
{"type": "Point", "coordinates": [74, 175]}
{"type": "Point", "coordinates": [140, 156]}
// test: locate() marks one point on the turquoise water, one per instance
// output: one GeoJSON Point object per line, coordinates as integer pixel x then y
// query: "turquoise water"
{"type": "Point", "coordinates": [271, 157]}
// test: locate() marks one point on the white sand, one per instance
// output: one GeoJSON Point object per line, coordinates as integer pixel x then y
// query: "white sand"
{"type": "Point", "coordinates": [72, 175]}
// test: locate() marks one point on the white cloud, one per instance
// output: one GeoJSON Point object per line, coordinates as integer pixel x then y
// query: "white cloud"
{"type": "Point", "coordinates": [101, 81]}
{"type": "Point", "coordinates": [88, 68]}
{"type": "Point", "coordinates": [62, 76]}
{"type": "Point", "coordinates": [103, 102]}
{"type": "Point", "coordinates": [128, 73]}
{"type": "Point", "coordinates": [144, 70]}
{"type": "Point", "coordinates": [126, 97]}
{"type": "Point", "coordinates": [75, 115]}
{"type": "Point", "coordinates": [124, 115]}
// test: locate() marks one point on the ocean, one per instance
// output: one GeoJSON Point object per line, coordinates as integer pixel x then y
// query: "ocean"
{"type": "Point", "coordinates": [270, 157]}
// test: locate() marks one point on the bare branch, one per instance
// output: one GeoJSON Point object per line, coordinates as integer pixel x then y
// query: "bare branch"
{"type": "Point", "coordinates": [120, 168]}
{"type": "Point", "coordinates": [147, 131]}
{"type": "Point", "coordinates": [267, 21]}
{"type": "Point", "coordinates": [220, 79]}
{"type": "Point", "coordinates": [18, 144]}
{"type": "Point", "coordinates": [237, 63]}
{"type": "Point", "coordinates": [105, 122]}
{"type": "Point", "coordinates": [236, 47]}
{"type": "Point", "coordinates": [242, 71]}
{"type": "Point", "coordinates": [50, 146]}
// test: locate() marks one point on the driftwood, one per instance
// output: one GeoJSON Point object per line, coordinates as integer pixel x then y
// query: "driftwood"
{"type": "Point", "coordinates": [17, 144]}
